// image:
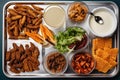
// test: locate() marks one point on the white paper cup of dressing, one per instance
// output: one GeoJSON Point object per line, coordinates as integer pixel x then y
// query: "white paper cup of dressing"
{"type": "Point", "coordinates": [54, 17]}
{"type": "Point", "coordinates": [110, 22]}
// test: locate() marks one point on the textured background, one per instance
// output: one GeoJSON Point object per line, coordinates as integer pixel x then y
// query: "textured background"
{"type": "Point", "coordinates": [3, 77]}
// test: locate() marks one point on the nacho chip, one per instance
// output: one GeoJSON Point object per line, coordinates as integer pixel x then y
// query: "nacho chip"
{"type": "Point", "coordinates": [102, 65]}
{"type": "Point", "coordinates": [112, 52]}
{"type": "Point", "coordinates": [108, 42]}
{"type": "Point", "coordinates": [99, 43]}
{"type": "Point", "coordinates": [101, 53]}
{"type": "Point", "coordinates": [112, 62]}
{"type": "Point", "coordinates": [94, 47]}
{"type": "Point", "coordinates": [104, 54]}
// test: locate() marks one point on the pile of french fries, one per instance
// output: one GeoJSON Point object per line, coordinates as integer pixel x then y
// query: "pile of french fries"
{"type": "Point", "coordinates": [46, 37]}
{"type": "Point", "coordinates": [23, 19]}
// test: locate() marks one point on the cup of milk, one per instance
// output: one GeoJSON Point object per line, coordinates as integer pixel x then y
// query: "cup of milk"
{"type": "Point", "coordinates": [54, 17]}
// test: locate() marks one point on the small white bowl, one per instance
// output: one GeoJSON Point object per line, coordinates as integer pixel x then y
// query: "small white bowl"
{"type": "Point", "coordinates": [113, 28]}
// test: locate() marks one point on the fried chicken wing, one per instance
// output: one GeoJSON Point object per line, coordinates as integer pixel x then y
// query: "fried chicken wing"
{"type": "Point", "coordinates": [8, 56]}
{"type": "Point", "coordinates": [23, 60]}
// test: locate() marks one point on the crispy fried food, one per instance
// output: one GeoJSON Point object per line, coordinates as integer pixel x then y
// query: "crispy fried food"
{"type": "Point", "coordinates": [30, 66]}
{"type": "Point", "coordinates": [102, 43]}
{"type": "Point", "coordinates": [17, 65]}
{"type": "Point", "coordinates": [34, 37]}
{"type": "Point", "coordinates": [31, 12]}
{"type": "Point", "coordinates": [12, 12]}
{"type": "Point", "coordinates": [8, 19]}
{"type": "Point", "coordinates": [16, 32]}
{"type": "Point", "coordinates": [35, 53]}
{"type": "Point", "coordinates": [112, 52]}
{"type": "Point", "coordinates": [43, 32]}
{"type": "Point", "coordinates": [13, 56]}
{"type": "Point", "coordinates": [38, 22]}
{"type": "Point", "coordinates": [16, 17]}
{"type": "Point", "coordinates": [47, 34]}
{"type": "Point", "coordinates": [8, 54]}
{"type": "Point", "coordinates": [18, 55]}
{"type": "Point", "coordinates": [23, 57]}
{"type": "Point", "coordinates": [37, 8]}
{"type": "Point", "coordinates": [23, 18]}
{"type": "Point", "coordinates": [25, 65]}
{"type": "Point", "coordinates": [21, 49]}
{"type": "Point", "coordinates": [15, 46]}
{"type": "Point", "coordinates": [27, 51]}
{"type": "Point", "coordinates": [14, 70]}
{"type": "Point", "coordinates": [32, 48]}
{"type": "Point", "coordinates": [104, 54]}
{"type": "Point", "coordinates": [23, 60]}
{"type": "Point", "coordinates": [101, 53]}
{"type": "Point", "coordinates": [102, 65]}
{"type": "Point", "coordinates": [32, 26]}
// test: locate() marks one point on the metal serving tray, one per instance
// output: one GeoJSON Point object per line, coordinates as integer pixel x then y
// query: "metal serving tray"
{"type": "Point", "coordinates": [7, 43]}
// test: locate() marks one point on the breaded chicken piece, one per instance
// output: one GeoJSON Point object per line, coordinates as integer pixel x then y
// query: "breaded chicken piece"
{"type": "Point", "coordinates": [25, 65]}
{"type": "Point", "coordinates": [21, 49]}
{"type": "Point", "coordinates": [8, 56]}
{"type": "Point", "coordinates": [35, 54]}
{"type": "Point", "coordinates": [18, 55]}
{"type": "Point", "coordinates": [32, 47]}
{"type": "Point", "coordinates": [13, 69]}
{"type": "Point", "coordinates": [15, 46]}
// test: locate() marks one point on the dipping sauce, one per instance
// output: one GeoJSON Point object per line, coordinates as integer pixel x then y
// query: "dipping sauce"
{"type": "Point", "coordinates": [109, 22]}
{"type": "Point", "coordinates": [54, 16]}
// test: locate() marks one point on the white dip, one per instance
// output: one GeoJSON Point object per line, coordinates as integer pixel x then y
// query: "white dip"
{"type": "Point", "coordinates": [109, 22]}
{"type": "Point", "coordinates": [54, 16]}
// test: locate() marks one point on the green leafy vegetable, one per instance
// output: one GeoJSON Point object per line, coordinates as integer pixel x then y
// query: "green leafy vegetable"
{"type": "Point", "coordinates": [71, 35]}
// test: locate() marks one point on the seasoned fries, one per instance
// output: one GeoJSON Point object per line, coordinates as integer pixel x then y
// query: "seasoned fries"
{"type": "Point", "coordinates": [23, 18]}
{"type": "Point", "coordinates": [45, 37]}
{"type": "Point", "coordinates": [36, 38]}
{"type": "Point", "coordinates": [36, 7]}
{"type": "Point", "coordinates": [12, 11]}
{"type": "Point", "coordinates": [47, 34]}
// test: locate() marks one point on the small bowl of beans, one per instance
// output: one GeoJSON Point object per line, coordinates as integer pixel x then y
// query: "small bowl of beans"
{"type": "Point", "coordinates": [55, 63]}
{"type": "Point", "coordinates": [82, 63]}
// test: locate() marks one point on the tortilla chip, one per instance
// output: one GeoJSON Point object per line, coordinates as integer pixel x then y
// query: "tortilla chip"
{"type": "Point", "coordinates": [102, 65]}
{"type": "Point", "coordinates": [101, 53]}
{"type": "Point", "coordinates": [94, 44]}
{"type": "Point", "coordinates": [99, 43]}
{"type": "Point", "coordinates": [104, 54]}
{"type": "Point", "coordinates": [108, 42]}
{"type": "Point", "coordinates": [112, 52]}
{"type": "Point", "coordinates": [112, 62]}
{"type": "Point", "coordinates": [94, 47]}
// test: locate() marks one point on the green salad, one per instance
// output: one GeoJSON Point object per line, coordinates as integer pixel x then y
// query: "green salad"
{"type": "Point", "coordinates": [71, 35]}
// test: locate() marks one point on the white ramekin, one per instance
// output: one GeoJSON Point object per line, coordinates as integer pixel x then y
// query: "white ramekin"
{"type": "Point", "coordinates": [113, 27]}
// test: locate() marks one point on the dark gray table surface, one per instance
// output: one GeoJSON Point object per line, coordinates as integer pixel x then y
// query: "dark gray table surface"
{"type": "Point", "coordinates": [3, 77]}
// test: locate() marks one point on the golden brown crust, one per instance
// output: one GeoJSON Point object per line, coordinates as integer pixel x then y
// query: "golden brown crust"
{"type": "Point", "coordinates": [104, 54]}
{"type": "Point", "coordinates": [23, 18]}
{"type": "Point", "coordinates": [23, 60]}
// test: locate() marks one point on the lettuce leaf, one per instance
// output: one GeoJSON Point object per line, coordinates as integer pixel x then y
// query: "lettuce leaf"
{"type": "Point", "coordinates": [71, 35]}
